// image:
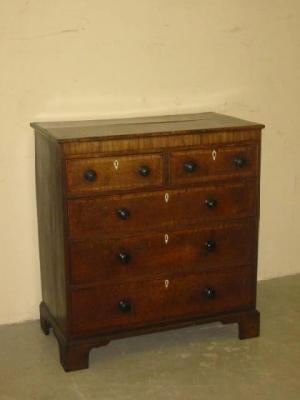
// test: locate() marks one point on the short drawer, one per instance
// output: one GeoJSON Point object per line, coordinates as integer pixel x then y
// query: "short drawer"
{"type": "Point", "coordinates": [177, 252]}
{"type": "Point", "coordinates": [90, 175]}
{"type": "Point", "coordinates": [148, 302]}
{"type": "Point", "coordinates": [213, 163]}
{"type": "Point", "coordinates": [127, 214]}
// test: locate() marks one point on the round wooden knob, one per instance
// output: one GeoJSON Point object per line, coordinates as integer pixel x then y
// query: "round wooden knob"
{"type": "Point", "coordinates": [211, 203]}
{"type": "Point", "coordinates": [209, 293]}
{"type": "Point", "coordinates": [123, 213]}
{"type": "Point", "coordinates": [90, 175]}
{"type": "Point", "coordinates": [144, 170]}
{"type": "Point", "coordinates": [210, 245]}
{"type": "Point", "coordinates": [124, 258]}
{"type": "Point", "coordinates": [124, 306]}
{"type": "Point", "coordinates": [190, 166]}
{"type": "Point", "coordinates": [240, 162]}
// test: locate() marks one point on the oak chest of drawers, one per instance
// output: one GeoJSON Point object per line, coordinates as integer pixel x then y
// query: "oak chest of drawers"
{"type": "Point", "coordinates": [146, 224]}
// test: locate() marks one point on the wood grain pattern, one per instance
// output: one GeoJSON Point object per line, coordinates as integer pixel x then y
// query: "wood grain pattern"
{"type": "Point", "coordinates": [150, 143]}
{"type": "Point", "coordinates": [98, 262]}
{"type": "Point", "coordinates": [51, 227]}
{"type": "Point", "coordinates": [97, 309]}
{"type": "Point", "coordinates": [191, 237]}
{"type": "Point", "coordinates": [116, 128]}
{"type": "Point", "coordinates": [213, 163]}
{"type": "Point", "coordinates": [114, 173]}
{"type": "Point", "coordinates": [97, 217]}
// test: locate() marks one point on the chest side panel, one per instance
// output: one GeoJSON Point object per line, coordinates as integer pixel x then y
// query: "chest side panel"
{"type": "Point", "coordinates": [50, 212]}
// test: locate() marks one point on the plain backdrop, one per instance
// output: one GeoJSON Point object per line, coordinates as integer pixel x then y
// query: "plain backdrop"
{"type": "Point", "coordinates": [89, 59]}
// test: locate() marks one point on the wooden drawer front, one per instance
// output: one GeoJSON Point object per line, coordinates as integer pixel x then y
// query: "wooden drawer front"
{"type": "Point", "coordinates": [213, 163]}
{"type": "Point", "coordinates": [153, 301]}
{"type": "Point", "coordinates": [101, 217]}
{"type": "Point", "coordinates": [148, 256]}
{"type": "Point", "coordinates": [113, 173]}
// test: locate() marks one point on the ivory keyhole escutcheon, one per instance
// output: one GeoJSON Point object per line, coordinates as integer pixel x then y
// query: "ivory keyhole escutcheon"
{"type": "Point", "coordinates": [166, 238]}
{"type": "Point", "coordinates": [167, 283]}
{"type": "Point", "coordinates": [214, 155]}
{"type": "Point", "coordinates": [167, 196]}
{"type": "Point", "coordinates": [116, 164]}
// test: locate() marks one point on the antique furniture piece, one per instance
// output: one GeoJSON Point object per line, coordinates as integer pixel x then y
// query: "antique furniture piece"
{"type": "Point", "coordinates": [146, 224]}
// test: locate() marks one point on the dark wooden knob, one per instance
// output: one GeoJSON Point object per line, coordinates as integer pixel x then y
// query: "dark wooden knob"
{"type": "Point", "coordinates": [240, 162]}
{"type": "Point", "coordinates": [210, 245]}
{"type": "Point", "coordinates": [123, 213]}
{"type": "Point", "coordinates": [209, 293]}
{"type": "Point", "coordinates": [90, 175]}
{"type": "Point", "coordinates": [211, 203]}
{"type": "Point", "coordinates": [124, 306]}
{"type": "Point", "coordinates": [144, 170]}
{"type": "Point", "coordinates": [124, 258]}
{"type": "Point", "coordinates": [190, 166]}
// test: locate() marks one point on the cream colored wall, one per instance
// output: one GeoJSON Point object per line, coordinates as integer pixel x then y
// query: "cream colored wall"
{"type": "Point", "coordinates": [74, 59]}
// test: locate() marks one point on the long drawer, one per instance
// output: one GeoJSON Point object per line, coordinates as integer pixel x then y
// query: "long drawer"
{"type": "Point", "coordinates": [133, 304]}
{"type": "Point", "coordinates": [124, 215]}
{"type": "Point", "coordinates": [219, 246]}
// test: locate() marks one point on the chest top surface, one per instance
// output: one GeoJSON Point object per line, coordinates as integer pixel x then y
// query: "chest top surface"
{"type": "Point", "coordinates": [141, 126]}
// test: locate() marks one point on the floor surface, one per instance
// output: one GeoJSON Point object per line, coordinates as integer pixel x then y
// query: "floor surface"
{"type": "Point", "coordinates": [204, 362]}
